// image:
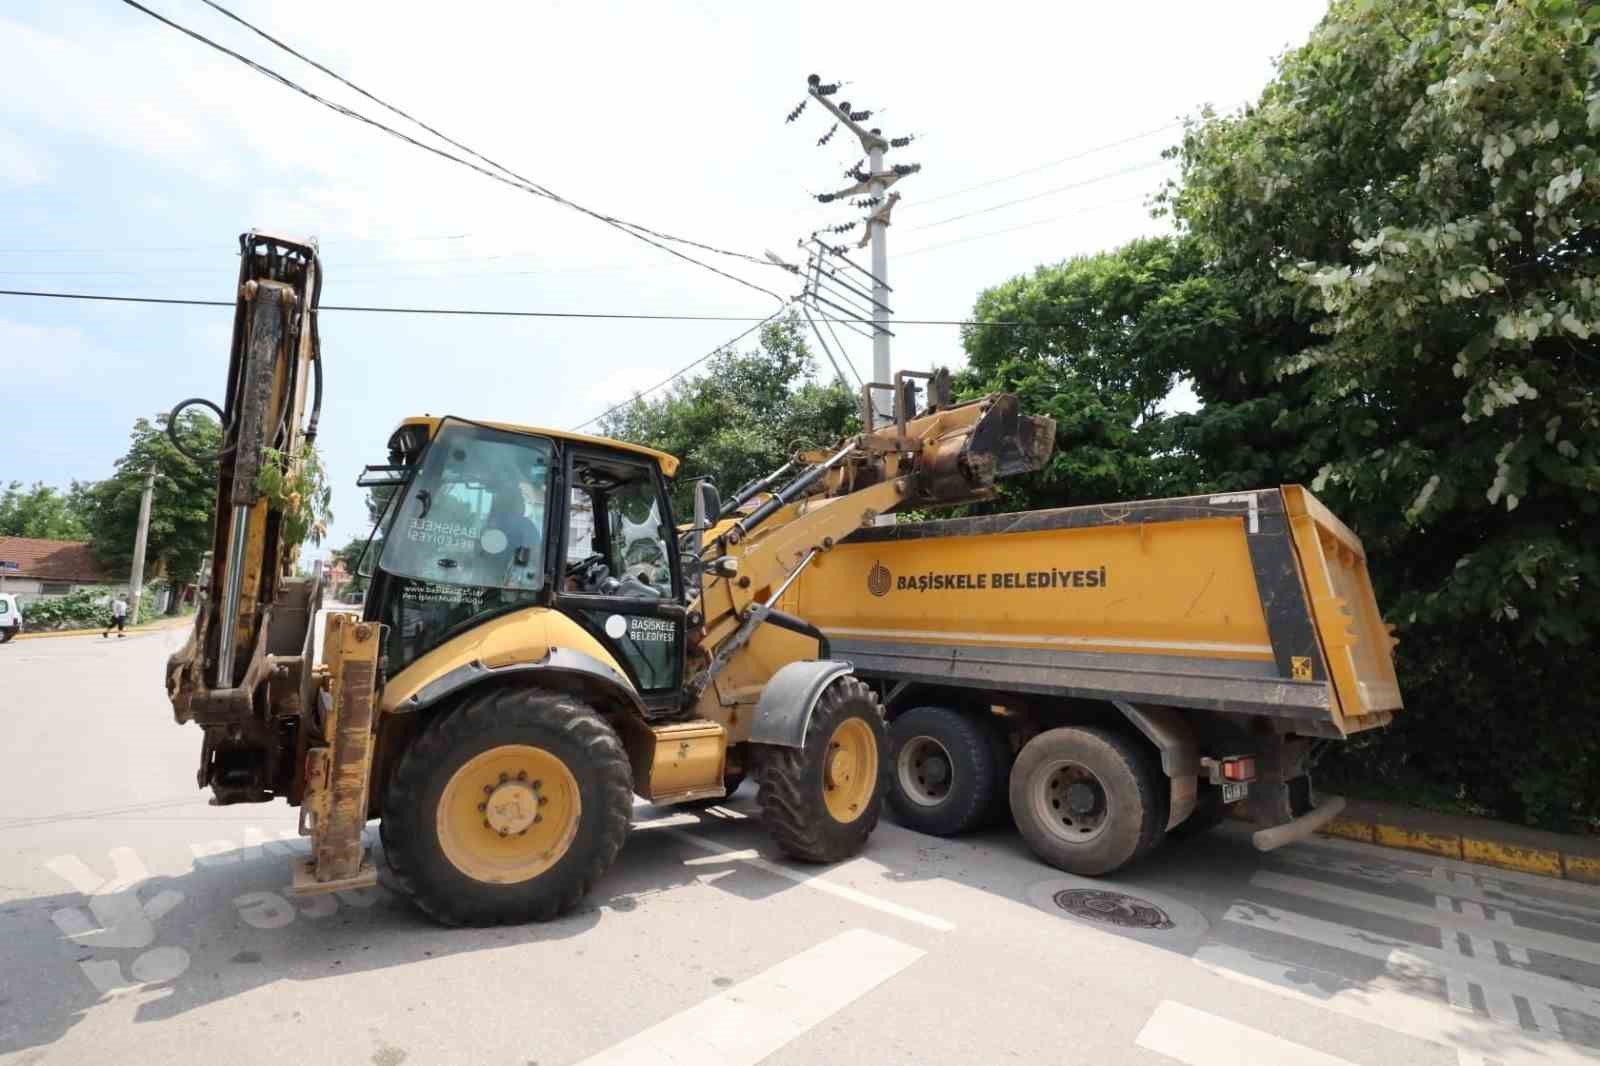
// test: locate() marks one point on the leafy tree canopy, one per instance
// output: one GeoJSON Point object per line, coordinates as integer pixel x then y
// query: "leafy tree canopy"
{"type": "Point", "coordinates": [45, 512]}
{"type": "Point", "coordinates": [180, 508]}
{"type": "Point", "coordinates": [742, 418]}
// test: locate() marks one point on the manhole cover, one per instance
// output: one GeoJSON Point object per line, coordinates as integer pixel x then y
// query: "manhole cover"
{"type": "Point", "coordinates": [1112, 908]}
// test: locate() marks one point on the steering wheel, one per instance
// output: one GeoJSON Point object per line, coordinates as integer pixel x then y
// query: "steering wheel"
{"type": "Point", "coordinates": [584, 563]}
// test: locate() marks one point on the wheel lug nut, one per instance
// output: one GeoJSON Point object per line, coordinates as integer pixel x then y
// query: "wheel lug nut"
{"type": "Point", "coordinates": [522, 775]}
{"type": "Point", "coordinates": [488, 790]}
{"type": "Point", "coordinates": [483, 806]}
{"type": "Point", "coordinates": [543, 800]}
{"type": "Point", "coordinates": [504, 778]}
{"type": "Point", "coordinates": [486, 823]}
{"type": "Point", "coordinates": [537, 783]}
{"type": "Point", "coordinates": [502, 832]}
{"type": "Point", "coordinates": [538, 817]}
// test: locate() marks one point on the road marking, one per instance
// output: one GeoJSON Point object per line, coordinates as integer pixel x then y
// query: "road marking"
{"type": "Point", "coordinates": [1385, 1003]}
{"type": "Point", "coordinates": [1485, 890]}
{"type": "Point", "coordinates": [815, 881]}
{"type": "Point", "coordinates": [1200, 1038]}
{"type": "Point", "coordinates": [755, 1018]}
{"type": "Point", "coordinates": [1402, 957]}
{"type": "Point", "coordinates": [117, 919]}
{"type": "Point", "coordinates": [1471, 920]}
{"type": "Point", "coordinates": [1576, 893]}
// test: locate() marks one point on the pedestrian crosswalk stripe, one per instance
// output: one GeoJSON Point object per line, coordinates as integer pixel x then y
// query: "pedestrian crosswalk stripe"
{"type": "Point", "coordinates": [755, 1018]}
{"type": "Point", "coordinates": [1200, 1038]}
{"type": "Point", "coordinates": [1402, 956]}
{"type": "Point", "coordinates": [1385, 1003]}
{"type": "Point", "coordinates": [1472, 922]}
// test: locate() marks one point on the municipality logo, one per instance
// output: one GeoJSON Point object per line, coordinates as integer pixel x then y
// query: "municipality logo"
{"type": "Point", "coordinates": [879, 579]}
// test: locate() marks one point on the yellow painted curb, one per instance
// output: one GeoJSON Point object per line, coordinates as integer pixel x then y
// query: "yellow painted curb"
{"type": "Point", "coordinates": [148, 627]}
{"type": "Point", "coordinates": [1351, 830]}
{"type": "Point", "coordinates": [1546, 862]}
{"type": "Point", "coordinates": [1509, 857]}
{"type": "Point", "coordinates": [1581, 869]}
{"type": "Point", "coordinates": [1442, 844]}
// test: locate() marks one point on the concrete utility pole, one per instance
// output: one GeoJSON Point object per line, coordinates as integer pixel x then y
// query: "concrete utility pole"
{"type": "Point", "coordinates": [874, 184]}
{"type": "Point", "coordinates": [136, 580]}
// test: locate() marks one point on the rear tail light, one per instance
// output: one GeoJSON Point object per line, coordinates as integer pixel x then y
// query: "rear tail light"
{"type": "Point", "coordinates": [1240, 769]}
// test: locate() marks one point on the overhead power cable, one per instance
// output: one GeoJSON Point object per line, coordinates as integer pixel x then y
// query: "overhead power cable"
{"type": "Point", "coordinates": [1134, 169]}
{"type": "Point", "coordinates": [489, 313]}
{"type": "Point", "coordinates": [1025, 225]}
{"type": "Point", "coordinates": [724, 346]}
{"type": "Point", "coordinates": [1084, 154]}
{"type": "Point", "coordinates": [508, 177]}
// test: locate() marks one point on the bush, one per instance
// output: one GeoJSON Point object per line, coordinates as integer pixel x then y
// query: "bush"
{"type": "Point", "coordinates": [84, 609]}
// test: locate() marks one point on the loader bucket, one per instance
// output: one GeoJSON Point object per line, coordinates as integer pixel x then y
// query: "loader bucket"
{"type": "Point", "coordinates": [1000, 442]}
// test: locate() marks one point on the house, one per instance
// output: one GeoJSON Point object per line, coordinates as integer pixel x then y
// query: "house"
{"type": "Point", "coordinates": [32, 568]}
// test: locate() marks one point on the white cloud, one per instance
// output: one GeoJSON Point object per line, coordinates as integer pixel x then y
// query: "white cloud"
{"type": "Point", "coordinates": [21, 164]}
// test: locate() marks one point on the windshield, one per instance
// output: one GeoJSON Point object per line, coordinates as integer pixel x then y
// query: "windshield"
{"type": "Point", "coordinates": [474, 514]}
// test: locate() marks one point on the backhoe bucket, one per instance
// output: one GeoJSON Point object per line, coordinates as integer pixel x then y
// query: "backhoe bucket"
{"type": "Point", "coordinates": [999, 442]}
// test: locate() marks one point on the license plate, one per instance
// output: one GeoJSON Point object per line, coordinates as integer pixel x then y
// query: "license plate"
{"type": "Point", "coordinates": [1233, 792]}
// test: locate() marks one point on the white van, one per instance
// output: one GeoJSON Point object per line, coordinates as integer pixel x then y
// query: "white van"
{"type": "Point", "coordinates": [10, 617]}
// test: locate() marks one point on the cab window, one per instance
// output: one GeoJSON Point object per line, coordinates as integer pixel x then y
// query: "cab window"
{"type": "Point", "coordinates": [616, 532]}
{"type": "Point", "coordinates": [468, 538]}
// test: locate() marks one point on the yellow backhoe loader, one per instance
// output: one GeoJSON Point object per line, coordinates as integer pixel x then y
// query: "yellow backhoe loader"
{"type": "Point", "coordinates": [541, 642]}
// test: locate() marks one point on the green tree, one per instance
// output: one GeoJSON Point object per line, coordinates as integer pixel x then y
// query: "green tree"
{"type": "Point", "coordinates": [180, 508]}
{"type": "Point", "coordinates": [1412, 210]}
{"type": "Point", "coordinates": [45, 512]}
{"type": "Point", "coordinates": [744, 416]}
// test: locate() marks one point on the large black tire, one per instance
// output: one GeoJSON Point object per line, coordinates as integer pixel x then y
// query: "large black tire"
{"type": "Point", "coordinates": [796, 787]}
{"type": "Point", "coordinates": [1114, 778]}
{"type": "Point", "coordinates": [560, 726]}
{"type": "Point", "coordinates": [947, 770]}
{"type": "Point", "coordinates": [7, 633]}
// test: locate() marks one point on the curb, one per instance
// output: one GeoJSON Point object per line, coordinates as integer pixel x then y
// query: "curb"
{"type": "Point", "coordinates": [1546, 862]}
{"type": "Point", "coordinates": [149, 627]}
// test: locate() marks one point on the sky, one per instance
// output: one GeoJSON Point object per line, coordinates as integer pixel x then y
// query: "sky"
{"type": "Point", "coordinates": [132, 157]}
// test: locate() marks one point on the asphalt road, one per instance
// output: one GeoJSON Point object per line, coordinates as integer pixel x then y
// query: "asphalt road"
{"type": "Point", "coordinates": [139, 925]}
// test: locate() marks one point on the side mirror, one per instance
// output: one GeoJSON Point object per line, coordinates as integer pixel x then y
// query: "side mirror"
{"type": "Point", "coordinates": [707, 504]}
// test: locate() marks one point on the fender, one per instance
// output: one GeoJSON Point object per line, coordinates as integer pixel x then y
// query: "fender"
{"type": "Point", "coordinates": [784, 710]}
{"type": "Point", "coordinates": [1174, 738]}
{"type": "Point", "coordinates": [562, 669]}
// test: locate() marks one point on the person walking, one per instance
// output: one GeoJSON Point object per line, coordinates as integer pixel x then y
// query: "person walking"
{"type": "Point", "coordinates": [119, 617]}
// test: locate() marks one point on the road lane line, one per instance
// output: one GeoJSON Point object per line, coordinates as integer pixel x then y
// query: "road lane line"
{"type": "Point", "coordinates": [1471, 920]}
{"type": "Point", "coordinates": [755, 1018]}
{"type": "Point", "coordinates": [1384, 1003]}
{"type": "Point", "coordinates": [1200, 1038]}
{"type": "Point", "coordinates": [815, 881]}
{"type": "Point", "coordinates": [1439, 881]}
{"type": "Point", "coordinates": [1402, 956]}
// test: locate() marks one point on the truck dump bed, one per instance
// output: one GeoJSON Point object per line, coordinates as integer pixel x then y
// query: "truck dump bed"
{"type": "Point", "coordinates": [1253, 602]}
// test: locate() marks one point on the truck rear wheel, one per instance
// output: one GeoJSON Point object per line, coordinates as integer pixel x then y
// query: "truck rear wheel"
{"type": "Point", "coordinates": [947, 770]}
{"type": "Point", "coordinates": [507, 808]}
{"type": "Point", "coordinates": [1087, 800]}
{"type": "Point", "coordinates": [822, 800]}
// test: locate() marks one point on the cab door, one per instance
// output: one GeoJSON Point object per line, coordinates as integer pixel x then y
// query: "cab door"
{"type": "Point", "coordinates": [619, 576]}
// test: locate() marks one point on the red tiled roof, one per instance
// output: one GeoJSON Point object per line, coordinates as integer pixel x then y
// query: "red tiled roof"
{"type": "Point", "coordinates": [54, 560]}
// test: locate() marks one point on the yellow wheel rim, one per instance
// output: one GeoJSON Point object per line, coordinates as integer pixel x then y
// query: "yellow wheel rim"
{"type": "Point", "coordinates": [508, 814]}
{"type": "Point", "coordinates": [850, 770]}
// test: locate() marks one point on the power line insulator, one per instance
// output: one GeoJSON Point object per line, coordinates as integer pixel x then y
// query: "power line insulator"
{"type": "Point", "coordinates": [902, 169]}
{"type": "Point", "coordinates": [826, 137]}
{"type": "Point", "coordinates": [867, 201]}
{"type": "Point", "coordinates": [814, 80]}
{"type": "Point", "coordinates": [826, 197]}
{"type": "Point", "coordinates": [901, 142]}
{"type": "Point", "coordinates": [801, 106]}
{"type": "Point", "coordinates": [828, 89]}
{"type": "Point", "coordinates": [860, 116]}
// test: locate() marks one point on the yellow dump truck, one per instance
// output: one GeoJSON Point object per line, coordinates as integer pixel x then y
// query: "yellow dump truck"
{"type": "Point", "coordinates": [1112, 672]}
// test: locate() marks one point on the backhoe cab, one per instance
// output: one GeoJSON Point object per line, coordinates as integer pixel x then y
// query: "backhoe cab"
{"type": "Point", "coordinates": [541, 642]}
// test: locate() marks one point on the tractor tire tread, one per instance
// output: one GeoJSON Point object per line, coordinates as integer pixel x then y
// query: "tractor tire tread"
{"type": "Point", "coordinates": [482, 713]}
